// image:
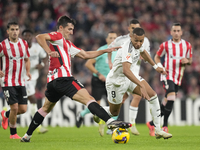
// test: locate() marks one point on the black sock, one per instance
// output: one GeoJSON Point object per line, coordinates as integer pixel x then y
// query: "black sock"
{"type": "Point", "coordinates": [97, 110]}
{"type": "Point", "coordinates": [13, 131]}
{"type": "Point", "coordinates": [151, 123]}
{"type": "Point", "coordinates": [168, 110]}
{"type": "Point", "coordinates": [162, 110]}
{"type": "Point", "coordinates": [7, 114]}
{"type": "Point", "coordinates": [36, 121]}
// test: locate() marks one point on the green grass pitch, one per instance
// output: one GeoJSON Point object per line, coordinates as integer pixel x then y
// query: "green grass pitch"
{"type": "Point", "coordinates": [88, 138]}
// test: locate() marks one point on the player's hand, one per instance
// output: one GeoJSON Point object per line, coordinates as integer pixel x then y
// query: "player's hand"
{"type": "Point", "coordinates": [102, 78]}
{"type": "Point", "coordinates": [144, 93]}
{"type": "Point", "coordinates": [184, 61]}
{"type": "Point", "coordinates": [28, 75]}
{"type": "Point", "coordinates": [1, 74]}
{"type": "Point", "coordinates": [161, 70]}
{"type": "Point", "coordinates": [109, 50]}
{"type": "Point", "coordinates": [110, 65]}
{"type": "Point", "coordinates": [53, 54]}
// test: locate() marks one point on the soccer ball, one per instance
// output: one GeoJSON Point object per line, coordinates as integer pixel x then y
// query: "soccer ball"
{"type": "Point", "coordinates": [120, 135]}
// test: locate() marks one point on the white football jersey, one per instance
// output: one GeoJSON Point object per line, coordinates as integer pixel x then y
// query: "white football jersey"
{"type": "Point", "coordinates": [120, 40]}
{"type": "Point", "coordinates": [36, 53]}
{"type": "Point", "coordinates": [125, 54]}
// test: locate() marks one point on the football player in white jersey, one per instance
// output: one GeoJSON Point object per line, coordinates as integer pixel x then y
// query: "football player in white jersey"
{"type": "Point", "coordinates": [122, 78]}
{"type": "Point", "coordinates": [38, 58]}
{"type": "Point", "coordinates": [133, 109]}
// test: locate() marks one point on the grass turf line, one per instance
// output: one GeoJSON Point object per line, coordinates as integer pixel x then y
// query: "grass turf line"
{"type": "Point", "coordinates": [88, 138]}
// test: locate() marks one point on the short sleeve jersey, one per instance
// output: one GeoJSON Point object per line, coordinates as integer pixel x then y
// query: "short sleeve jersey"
{"type": "Point", "coordinates": [13, 64]}
{"type": "Point", "coordinates": [174, 52]}
{"type": "Point", "coordinates": [122, 39]}
{"type": "Point", "coordinates": [61, 66]}
{"type": "Point", "coordinates": [125, 54]}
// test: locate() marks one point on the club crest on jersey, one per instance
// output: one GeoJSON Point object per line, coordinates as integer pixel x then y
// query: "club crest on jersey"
{"type": "Point", "coordinates": [128, 56]}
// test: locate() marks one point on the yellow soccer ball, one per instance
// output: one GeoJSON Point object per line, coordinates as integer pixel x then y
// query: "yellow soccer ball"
{"type": "Point", "coordinates": [120, 135]}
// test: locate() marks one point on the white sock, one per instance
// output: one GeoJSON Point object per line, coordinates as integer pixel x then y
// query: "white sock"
{"type": "Point", "coordinates": [155, 112]}
{"type": "Point", "coordinates": [33, 109]}
{"type": "Point", "coordinates": [132, 114]}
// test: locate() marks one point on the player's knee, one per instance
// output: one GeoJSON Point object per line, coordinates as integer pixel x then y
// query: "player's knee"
{"type": "Point", "coordinates": [152, 93]}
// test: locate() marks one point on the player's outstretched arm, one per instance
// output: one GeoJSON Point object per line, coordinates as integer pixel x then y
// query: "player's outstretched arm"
{"type": "Point", "coordinates": [92, 54]}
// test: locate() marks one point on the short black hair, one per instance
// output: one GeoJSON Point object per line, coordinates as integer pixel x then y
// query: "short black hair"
{"type": "Point", "coordinates": [138, 31]}
{"type": "Point", "coordinates": [134, 21]}
{"type": "Point", "coordinates": [12, 22]}
{"type": "Point", "coordinates": [64, 20]}
{"type": "Point", "coordinates": [27, 30]}
{"type": "Point", "coordinates": [176, 24]}
{"type": "Point", "coordinates": [111, 32]}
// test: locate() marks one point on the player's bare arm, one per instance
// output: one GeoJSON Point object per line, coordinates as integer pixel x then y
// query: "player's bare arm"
{"type": "Point", "coordinates": [1, 74]}
{"type": "Point", "coordinates": [129, 74]}
{"type": "Point", "coordinates": [90, 65]}
{"type": "Point", "coordinates": [92, 54]}
{"type": "Point", "coordinates": [42, 40]}
{"type": "Point", "coordinates": [28, 64]}
{"type": "Point", "coordinates": [109, 60]}
{"type": "Point", "coordinates": [148, 58]}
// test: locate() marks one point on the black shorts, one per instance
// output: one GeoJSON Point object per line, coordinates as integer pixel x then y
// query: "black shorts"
{"type": "Point", "coordinates": [15, 94]}
{"type": "Point", "coordinates": [98, 88]}
{"type": "Point", "coordinates": [170, 86]}
{"type": "Point", "coordinates": [59, 87]}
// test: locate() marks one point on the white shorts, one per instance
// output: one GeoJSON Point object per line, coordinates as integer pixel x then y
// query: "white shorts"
{"type": "Point", "coordinates": [116, 92]}
{"type": "Point", "coordinates": [30, 87]}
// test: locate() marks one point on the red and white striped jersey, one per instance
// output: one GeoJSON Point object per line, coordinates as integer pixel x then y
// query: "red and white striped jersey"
{"type": "Point", "coordinates": [13, 64]}
{"type": "Point", "coordinates": [61, 66]}
{"type": "Point", "coordinates": [174, 52]}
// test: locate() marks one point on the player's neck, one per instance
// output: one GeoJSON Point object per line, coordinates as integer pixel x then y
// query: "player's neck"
{"type": "Point", "coordinates": [29, 45]}
{"type": "Point", "coordinates": [176, 40]}
{"type": "Point", "coordinates": [13, 40]}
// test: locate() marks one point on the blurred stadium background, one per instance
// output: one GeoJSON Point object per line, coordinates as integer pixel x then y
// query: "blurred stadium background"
{"type": "Point", "coordinates": [95, 18]}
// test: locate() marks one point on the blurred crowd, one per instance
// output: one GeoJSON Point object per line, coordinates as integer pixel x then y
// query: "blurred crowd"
{"type": "Point", "coordinates": [95, 18]}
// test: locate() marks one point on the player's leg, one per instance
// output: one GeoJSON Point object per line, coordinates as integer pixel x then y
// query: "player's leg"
{"type": "Point", "coordinates": [83, 97]}
{"type": "Point", "coordinates": [98, 88]}
{"type": "Point", "coordinates": [38, 119]}
{"type": "Point", "coordinates": [30, 89]}
{"type": "Point", "coordinates": [168, 109]}
{"type": "Point", "coordinates": [154, 109]}
{"type": "Point", "coordinates": [52, 96]}
{"type": "Point", "coordinates": [133, 110]}
{"type": "Point", "coordinates": [171, 96]}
